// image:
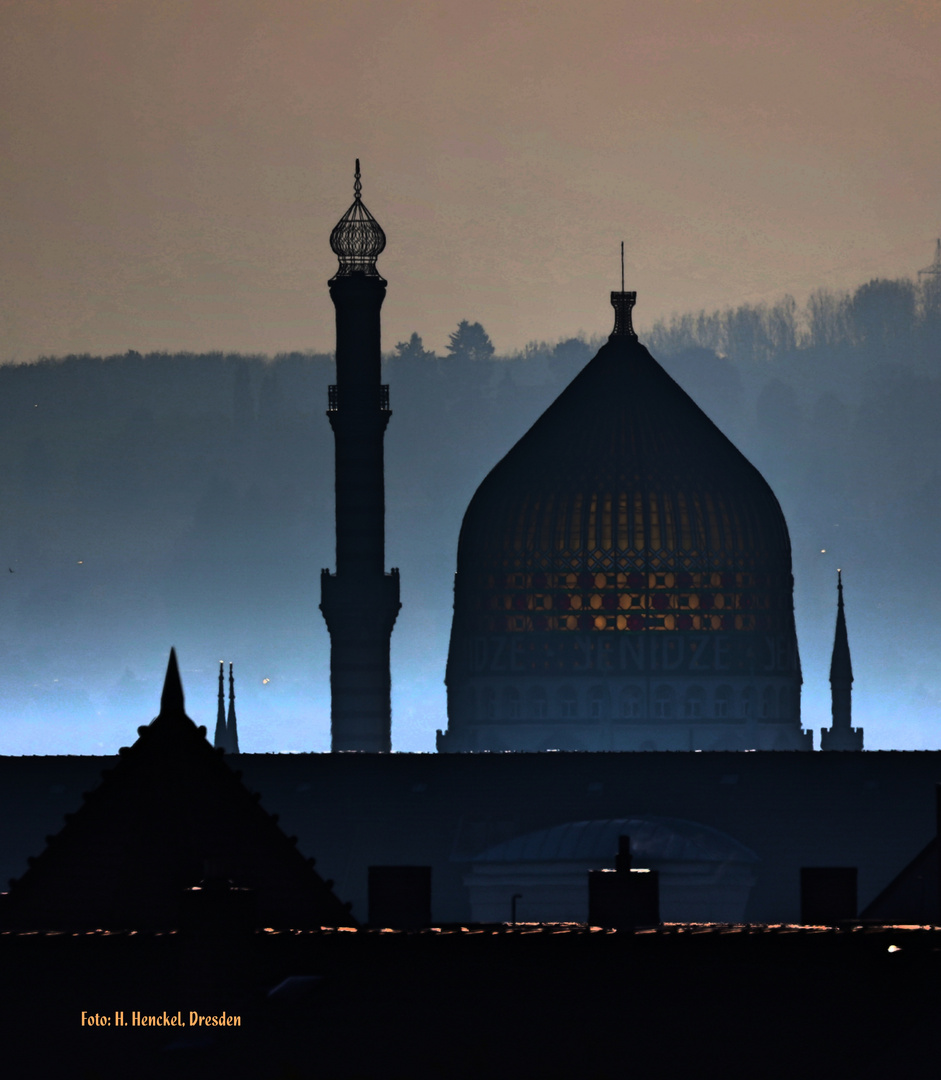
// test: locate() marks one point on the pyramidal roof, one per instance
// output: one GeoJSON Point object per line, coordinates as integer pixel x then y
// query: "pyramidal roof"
{"type": "Point", "coordinates": [170, 814]}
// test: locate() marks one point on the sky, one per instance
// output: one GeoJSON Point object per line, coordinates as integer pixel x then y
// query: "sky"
{"type": "Point", "coordinates": [170, 171]}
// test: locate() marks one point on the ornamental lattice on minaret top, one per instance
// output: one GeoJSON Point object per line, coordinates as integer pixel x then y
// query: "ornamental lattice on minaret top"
{"type": "Point", "coordinates": [357, 238]}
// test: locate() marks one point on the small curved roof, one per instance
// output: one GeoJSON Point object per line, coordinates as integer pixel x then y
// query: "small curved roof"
{"type": "Point", "coordinates": [653, 839]}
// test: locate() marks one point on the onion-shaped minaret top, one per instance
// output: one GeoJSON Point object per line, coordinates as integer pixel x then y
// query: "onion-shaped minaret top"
{"type": "Point", "coordinates": [357, 238]}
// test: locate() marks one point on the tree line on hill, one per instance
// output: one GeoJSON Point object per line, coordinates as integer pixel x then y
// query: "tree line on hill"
{"type": "Point", "coordinates": [199, 488]}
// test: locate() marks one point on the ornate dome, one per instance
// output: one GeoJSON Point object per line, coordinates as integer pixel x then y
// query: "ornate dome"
{"type": "Point", "coordinates": [357, 238]}
{"type": "Point", "coordinates": [624, 507]}
{"type": "Point", "coordinates": [622, 527]}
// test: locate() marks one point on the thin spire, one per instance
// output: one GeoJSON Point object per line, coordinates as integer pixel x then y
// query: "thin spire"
{"type": "Point", "coordinates": [357, 183]}
{"type": "Point", "coordinates": [622, 266]}
{"type": "Point", "coordinates": [841, 735]}
{"type": "Point", "coordinates": [219, 739]}
{"type": "Point", "coordinates": [171, 700]}
{"type": "Point", "coordinates": [231, 727]}
{"type": "Point", "coordinates": [841, 669]}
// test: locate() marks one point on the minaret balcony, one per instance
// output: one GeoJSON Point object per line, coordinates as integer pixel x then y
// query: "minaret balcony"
{"type": "Point", "coordinates": [333, 398]}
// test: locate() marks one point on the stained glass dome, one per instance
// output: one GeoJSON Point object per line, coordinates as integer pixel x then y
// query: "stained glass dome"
{"type": "Point", "coordinates": [623, 535]}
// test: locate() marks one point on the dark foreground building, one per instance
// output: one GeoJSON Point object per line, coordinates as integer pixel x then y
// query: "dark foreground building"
{"type": "Point", "coordinates": [165, 829]}
{"type": "Point", "coordinates": [181, 982]}
{"type": "Point", "coordinates": [537, 1002]}
{"type": "Point", "coordinates": [872, 810]}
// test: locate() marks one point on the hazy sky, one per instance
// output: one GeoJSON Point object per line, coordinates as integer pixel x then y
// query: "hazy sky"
{"type": "Point", "coordinates": [170, 171]}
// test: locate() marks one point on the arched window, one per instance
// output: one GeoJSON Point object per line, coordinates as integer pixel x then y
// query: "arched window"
{"type": "Point", "coordinates": [663, 703]}
{"type": "Point", "coordinates": [631, 703]}
{"type": "Point", "coordinates": [489, 703]}
{"type": "Point", "coordinates": [784, 703]}
{"type": "Point", "coordinates": [511, 703]}
{"type": "Point", "coordinates": [568, 703]}
{"type": "Point", "coordinates": [694, 703]}
{"type": "Point", "coordinates": [748, 702]}
{"type": "Point", "coordinates": [723, 703]}
{"type": "Point", "coordinates": [597, 703]}
{"type": "Point", "coordinates": [767, 703]}
{"type": "Point", "coordinates": [538, 703]}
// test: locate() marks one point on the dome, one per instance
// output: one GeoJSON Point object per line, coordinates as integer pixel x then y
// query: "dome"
{"type": "Point", "coordinates": [623, 533]}
{"type": "Point", "coordinates": [357, 238]}
{"type": "Point", "coordinates": [704, 875]}
{"type": "Point", "coordinates": [625, 495]}
{"type": "Point", "coordinates": [653, 840]}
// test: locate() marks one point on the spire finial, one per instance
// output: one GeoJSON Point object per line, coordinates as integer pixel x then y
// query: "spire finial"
{"type": "Point", "coordinates": [623, 302]}
{"type": "Point", "coordinates": [231, 727]}
{"type": "Point", "coordinates": [840, 666]}
{"type": "Point", "coordinates": [219, 739]}
{"type": "Point", "coordinates": [171, 700]}
{"type": "Point", "coordinates": [842, 735]}
{"type": "Point", "coordinates": [357, 183]}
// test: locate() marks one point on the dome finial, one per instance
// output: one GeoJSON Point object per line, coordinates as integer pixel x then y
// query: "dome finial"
{"type": "Point", "coordinates": [357, 238]}
{"type": "Point", "coordinates": [622, 302]}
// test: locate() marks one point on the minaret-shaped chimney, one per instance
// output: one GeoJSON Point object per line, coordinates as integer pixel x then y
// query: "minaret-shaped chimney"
{"type": "Point", "coordinates": [219, 737]}
{"type": "Point", "coordinates": [231, 727]}
{"type": "Point", "coordinates": [360, 601]}
{"type": "Point", "coordinates": [842, 735]}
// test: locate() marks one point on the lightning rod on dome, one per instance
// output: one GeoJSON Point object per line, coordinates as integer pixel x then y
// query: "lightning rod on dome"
{"type": "Point", "coordinates": [622, 302]}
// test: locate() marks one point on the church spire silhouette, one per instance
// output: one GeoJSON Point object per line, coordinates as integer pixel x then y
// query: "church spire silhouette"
{"type": "Point", "coordinates": [219, 737]}
{"type": "Point", "coordinates": [231, 727]}
{"type": "Point", "coordinates": [360, 601]}
{"type": "Point", "coordinates": [842, 735]}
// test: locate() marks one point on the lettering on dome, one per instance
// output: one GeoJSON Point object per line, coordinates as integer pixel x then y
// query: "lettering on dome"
{"type": "Point", "coordinates": [679, 654]}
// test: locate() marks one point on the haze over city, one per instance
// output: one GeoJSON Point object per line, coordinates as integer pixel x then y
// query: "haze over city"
{"type": "Point", "coordinates": [171, 174]}
{"type": "Point", "coordinates": [171, 170]}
